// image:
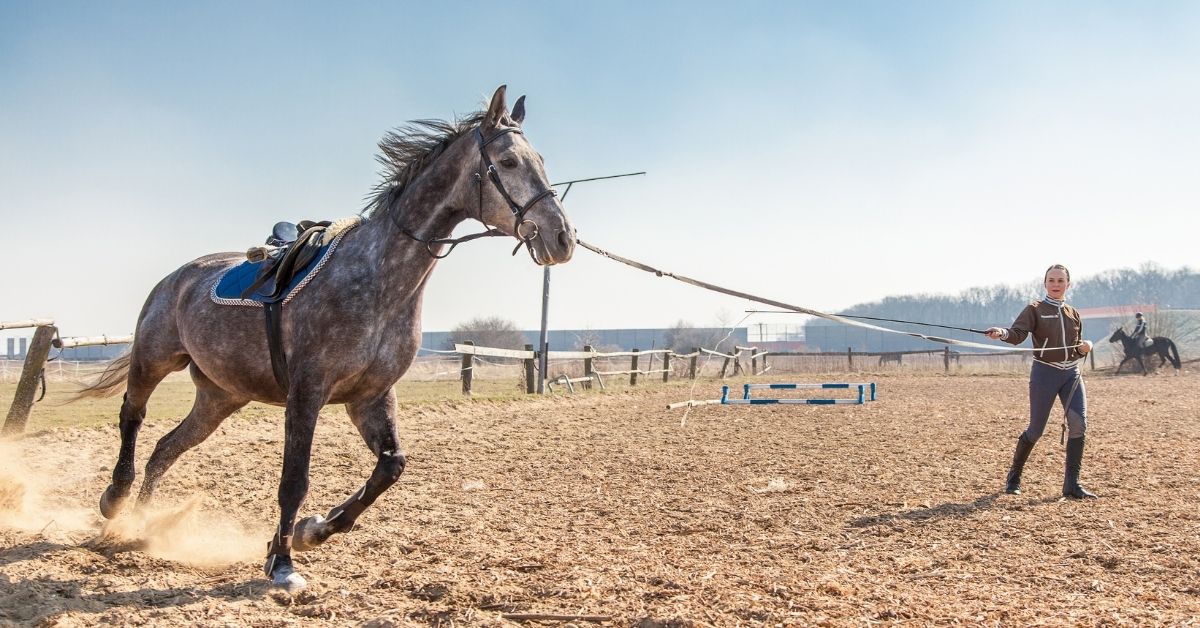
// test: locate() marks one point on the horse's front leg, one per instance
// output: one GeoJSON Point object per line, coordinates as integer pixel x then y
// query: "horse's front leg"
{"type": "Point", "coordinates": [376, 421]}
{"type": "Point", "coordinates": [300, 422]}
{"type": "Point", "coordinates": [1142, 363]}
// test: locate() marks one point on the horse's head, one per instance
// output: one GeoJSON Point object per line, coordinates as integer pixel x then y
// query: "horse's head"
{"type": "Point", "coordinates": [1118, 335]}
{"type": "Point", "coordinates": [515, 195]}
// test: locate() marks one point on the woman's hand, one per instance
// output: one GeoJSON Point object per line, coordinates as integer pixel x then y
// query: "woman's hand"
{"type": "Point", "coordinates": [1085, 347]}
{"type": "Point", "coordinates": [995, 333]}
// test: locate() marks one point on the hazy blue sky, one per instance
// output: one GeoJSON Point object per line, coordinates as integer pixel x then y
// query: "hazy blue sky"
{"type": "Point", "coordinates": [822, 154]}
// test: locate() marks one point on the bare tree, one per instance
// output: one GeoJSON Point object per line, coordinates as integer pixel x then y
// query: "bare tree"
{"type": "Point", "coordinates": [488, 331]}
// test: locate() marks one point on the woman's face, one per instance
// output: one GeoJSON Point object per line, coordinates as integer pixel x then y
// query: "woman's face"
{"type": "Point", "coordinates": [1057, 283]}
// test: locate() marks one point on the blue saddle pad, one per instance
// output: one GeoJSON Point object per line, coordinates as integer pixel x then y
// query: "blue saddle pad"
{"type": "Point", "coordinates": [228, 289]}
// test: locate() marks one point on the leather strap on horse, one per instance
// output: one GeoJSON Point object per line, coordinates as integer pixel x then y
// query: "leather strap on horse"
{"type": "Point", "coordinates": [274, 318]}
{"type": "Point", "coordinates": [297, 256]}
{"type": "Point", "coordinates": [518, 211]}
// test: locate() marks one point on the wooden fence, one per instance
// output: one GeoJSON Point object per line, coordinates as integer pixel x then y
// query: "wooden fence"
{"type": "Point", "coordinates": [45, 335]}
{"type": "Point", "coordinates": [731, 365]}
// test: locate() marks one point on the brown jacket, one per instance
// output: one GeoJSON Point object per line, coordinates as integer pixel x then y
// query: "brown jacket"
{"type": "Point", "coordinates": [1051, 327]}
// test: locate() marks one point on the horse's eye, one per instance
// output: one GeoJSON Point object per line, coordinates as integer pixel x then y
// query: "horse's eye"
{"type": "Point", "coordinates": [508, 162]}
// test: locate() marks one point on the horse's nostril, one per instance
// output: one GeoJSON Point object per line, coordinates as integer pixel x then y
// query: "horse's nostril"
{"type": "Point", "coordinates": [564, 239]}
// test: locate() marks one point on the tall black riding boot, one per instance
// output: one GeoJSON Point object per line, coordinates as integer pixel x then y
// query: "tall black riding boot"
{"type": "Point", "coordinates": [1071, 486]}
{"type": "Point", "coordinates": [1024, 446]}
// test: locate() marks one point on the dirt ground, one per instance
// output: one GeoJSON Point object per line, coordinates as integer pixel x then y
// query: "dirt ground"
{"type": "Point", "coordinates": [610, 506]}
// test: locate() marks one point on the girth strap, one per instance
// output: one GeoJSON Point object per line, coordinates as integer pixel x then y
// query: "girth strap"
{"type": "Point", "coordinates": [274, 318]}
{"type": "Point", "coordinates": [281, 270]}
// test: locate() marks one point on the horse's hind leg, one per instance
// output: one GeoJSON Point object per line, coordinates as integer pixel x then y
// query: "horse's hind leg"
{"type": "Point", "coordinates": [146, 372]}
{"type": "Point", "coordinates": [376, 421]}
{"type": "Point", "coordinates": [212, 406]}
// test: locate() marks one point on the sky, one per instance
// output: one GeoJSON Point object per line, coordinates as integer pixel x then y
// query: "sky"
{"type": "Point", "coordinates": [821, 154]}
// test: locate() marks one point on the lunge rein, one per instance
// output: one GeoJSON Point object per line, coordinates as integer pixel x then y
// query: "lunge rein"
{"type": "Point", "coordinates": [803, 310]}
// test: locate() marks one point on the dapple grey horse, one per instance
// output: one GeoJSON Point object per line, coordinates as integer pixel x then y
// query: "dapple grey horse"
{"type": "Point", "coordinates": [351, 333]}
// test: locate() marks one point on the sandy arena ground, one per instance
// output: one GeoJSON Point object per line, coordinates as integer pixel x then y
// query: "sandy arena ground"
{"type": "Point", "coordinates": [610, 506]}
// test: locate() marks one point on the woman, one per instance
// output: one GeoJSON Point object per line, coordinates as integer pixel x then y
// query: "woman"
{"type": "Point", "coordinates": [1056, 329]}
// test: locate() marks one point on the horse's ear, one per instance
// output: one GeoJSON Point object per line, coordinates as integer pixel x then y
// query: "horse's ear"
{"type": "Point", "coordinates": [496, 109]}
{"type": "Point", "coordinates": [518, 112]}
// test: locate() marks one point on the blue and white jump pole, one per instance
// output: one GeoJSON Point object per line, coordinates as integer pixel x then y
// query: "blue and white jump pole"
{"type": "Point", "coordinates": [746, 388]}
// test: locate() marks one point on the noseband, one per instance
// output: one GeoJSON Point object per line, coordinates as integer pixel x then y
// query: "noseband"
{"type": "Point", "coordinates": [518, 211]}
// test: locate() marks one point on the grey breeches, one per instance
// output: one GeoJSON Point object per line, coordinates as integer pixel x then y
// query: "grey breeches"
{"type": "Point", "coordinates": [1046, 384]}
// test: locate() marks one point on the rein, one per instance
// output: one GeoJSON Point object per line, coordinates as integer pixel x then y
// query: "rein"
{"type": "Point", "coordinates": [518, 211]}
{"type": "Point", "coordinates": [803, 310]}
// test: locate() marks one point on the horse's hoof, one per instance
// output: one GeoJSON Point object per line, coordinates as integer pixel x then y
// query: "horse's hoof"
{"type": "Point", "coordinates": [286, 578]}
{"type": "Point", "coordinates": [283, 576]}
{"type": "Point", "coordinates": [305, 534]}
{"type": "Point", "coordinates": [111, 503]}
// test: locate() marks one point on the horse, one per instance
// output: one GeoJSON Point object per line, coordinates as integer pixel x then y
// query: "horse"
{"type": "Point", "coordinates": [351, 333]}
{"type": "Point", "coordinates": [1162, 346]}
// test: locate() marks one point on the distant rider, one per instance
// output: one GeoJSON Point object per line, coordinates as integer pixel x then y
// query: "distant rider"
{"type": "Point", "coordinates": [1057, 328]}
{"type": "Point", "coordinates": [1140, 331]}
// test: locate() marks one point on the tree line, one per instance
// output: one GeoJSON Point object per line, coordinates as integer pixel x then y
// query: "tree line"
{"type": "Point", "coordinates": [998, 304]}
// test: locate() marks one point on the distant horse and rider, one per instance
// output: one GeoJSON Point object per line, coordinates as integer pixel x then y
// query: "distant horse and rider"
{"type": "Point", "coordinates": [353, 330]}
{"type": "Point", "coordinates": [1136, 349]}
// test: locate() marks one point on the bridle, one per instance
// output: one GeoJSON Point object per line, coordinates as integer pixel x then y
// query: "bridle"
{"type": "Point", "coordinates": [518, 211]}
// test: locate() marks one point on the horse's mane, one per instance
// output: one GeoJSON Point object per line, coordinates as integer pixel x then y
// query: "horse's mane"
{"type": "Point", "coordinates": [406, 151]}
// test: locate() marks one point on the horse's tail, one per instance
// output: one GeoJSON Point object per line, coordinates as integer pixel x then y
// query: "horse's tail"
{"type": "Point", "coordinates": [111, 382]}
{"type": "Point", "coordinates": [1173, 355]}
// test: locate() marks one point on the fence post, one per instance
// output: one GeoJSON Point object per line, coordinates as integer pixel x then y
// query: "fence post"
{"type": "Point", "coordinates": [946, 358]}
{"type": "Point", "coordinates": [850, 357]}
{"type": "Point", "coordinates": [587, 368]}
{"type": "Point", "coordinates": [1092, 357]}
{"type": "Point", "coordinates": [35, 361]}
{"type": "Point", "coordinates": [633, 368]}
{"type": "Point", "coordinates": [468, 369]}
{"type": "Point", "coordinates": [530, 368]}
{"type": "Point", "coordinates": [692, 362]}
{"type": "Point", "coordinates": [753, 360]}
{"type": "Point", "coordinates": [666, 366]}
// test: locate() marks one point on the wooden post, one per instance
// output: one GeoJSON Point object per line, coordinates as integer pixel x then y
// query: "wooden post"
{"type": "Point", "coordinates": [946, 358]}
{"type": "Point", "coordinates": [633, 367]}
{"type": "Point", "coordinates": [587, 368]}
{"type": "Point", "coordinates": [850, 357]}
{"type": "Point", "coordinates": [468, 369]}
{"type": "Point", "coordinates": [1092, 358]}
{"type": "Point", "coordinates": [765, 367]}
{"type": "Point", "coordinates": [692, 363]}
{"type": "Point", "coordinates": [530, 370]}
{"type": "Point", "coordinates": [35, 360]}
{"type": "Point", "coordinates": [753, 361]}
{"type": "Point", "coordinates": [666, 366]}
{"type": "Point", "coordinates": [724, 367]}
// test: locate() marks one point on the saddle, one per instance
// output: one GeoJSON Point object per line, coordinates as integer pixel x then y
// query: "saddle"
{"type": "Point", "coordinates": [288, 252]}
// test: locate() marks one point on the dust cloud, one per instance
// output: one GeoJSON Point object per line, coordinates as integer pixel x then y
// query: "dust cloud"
{"type": "Point", "coordinates": [40, 501]}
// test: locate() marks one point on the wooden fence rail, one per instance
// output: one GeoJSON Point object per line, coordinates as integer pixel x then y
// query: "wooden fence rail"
{"type": "Point", "coordinates": [732, 363]}
{"type": "Point", "coordinates": [529, 357]}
